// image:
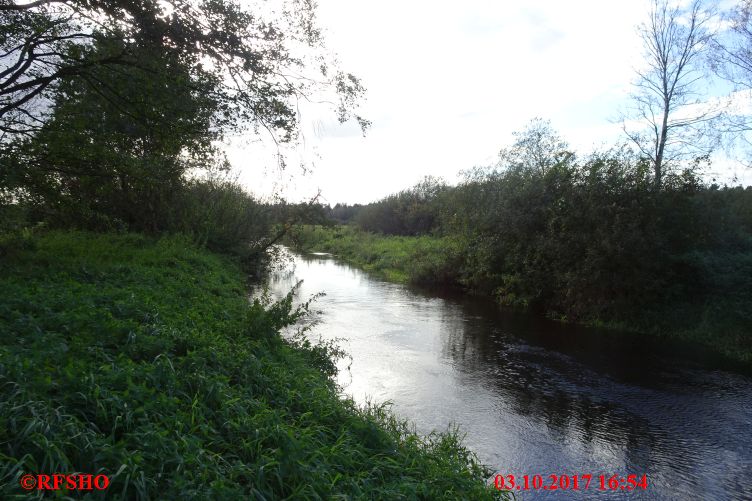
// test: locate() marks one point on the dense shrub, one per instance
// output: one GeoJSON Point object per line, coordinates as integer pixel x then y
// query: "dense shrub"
{"type": "Point", "coordinates": [596, 240]}
{"type": "Point", "coordinates": [410, 212]}
{"type": "Point", "coordinates": [220, 214]}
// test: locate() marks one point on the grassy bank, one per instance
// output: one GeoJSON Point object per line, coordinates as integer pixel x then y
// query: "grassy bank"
{"type": "Point", "coordinates": [421, 260]}
{"type": "Point", "coordinates": [143, 360]}
{"type": "Point", "coordinates": [718, 325]}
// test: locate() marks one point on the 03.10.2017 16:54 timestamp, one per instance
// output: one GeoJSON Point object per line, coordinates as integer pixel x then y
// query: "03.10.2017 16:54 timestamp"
{"type": "Point", "coordinates": [578, 482]}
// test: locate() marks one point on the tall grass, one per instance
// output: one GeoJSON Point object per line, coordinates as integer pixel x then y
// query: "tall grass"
{"type": "Point", "coordinates": [142, 359]}
{"type": "Point", "coordinates": [422, 260]}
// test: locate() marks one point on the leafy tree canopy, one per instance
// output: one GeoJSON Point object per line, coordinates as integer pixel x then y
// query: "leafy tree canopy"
{"type": "Point", "coordinates": [253, 62]}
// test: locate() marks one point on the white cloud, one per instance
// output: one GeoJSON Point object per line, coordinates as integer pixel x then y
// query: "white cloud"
{"type": "Point", "coordinates": [448, 82]}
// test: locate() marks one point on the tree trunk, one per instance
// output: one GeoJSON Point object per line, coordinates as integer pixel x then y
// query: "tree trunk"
{"type": "Point", "coordinates": [658, 165]}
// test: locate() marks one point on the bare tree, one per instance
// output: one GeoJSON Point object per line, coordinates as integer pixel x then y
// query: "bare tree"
{"type": "Point", "coordinates": [731, 59]}
{"type": "Point", "coordinates": [733, 55]}
{"type": "Point", "coordinates": [666, 101]}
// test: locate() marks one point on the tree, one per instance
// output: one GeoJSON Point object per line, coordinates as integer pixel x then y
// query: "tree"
{"type": "Point", "coordinates": [731, 59]}
{"type": "Point", "coordinates": [536, 149]}
{"type": "Point", "coordinates": [674, 40]}
{"type": "Point", "coordinates": [118, 146]}
{"type": "Point", "coordinates": [736, 49]}
{"type": "Point", "coordinates": [259, 63]}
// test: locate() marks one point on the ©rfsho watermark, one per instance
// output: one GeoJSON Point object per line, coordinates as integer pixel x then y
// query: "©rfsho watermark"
{"type": "Point", "coordinates": [60, 481]}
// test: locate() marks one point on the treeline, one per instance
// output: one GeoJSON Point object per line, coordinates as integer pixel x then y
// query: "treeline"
{"type": "Point", "coordinates": [591, 239]}
{"type": "Point", "coordinates": [408, 213]}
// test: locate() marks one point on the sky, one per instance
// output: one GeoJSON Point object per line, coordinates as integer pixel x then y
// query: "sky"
{"type": "Point", "coordinates": [447, 85]}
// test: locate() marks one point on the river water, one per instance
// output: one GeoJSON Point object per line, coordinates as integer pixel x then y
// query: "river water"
{"type": "Point", "coordinates": [535, 396]}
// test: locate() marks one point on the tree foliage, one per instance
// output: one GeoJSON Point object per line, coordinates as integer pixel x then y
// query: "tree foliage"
{"type": "Point", "coordinates": [410, 212]}
{"type": "Point", "coordinates": [119, 145]}
{"type": "Point", "coordinates": [537, 148]}
{"type": "Point", "coordinates": [257, 58]}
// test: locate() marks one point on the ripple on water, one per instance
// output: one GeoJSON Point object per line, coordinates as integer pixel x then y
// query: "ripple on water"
{"type": "Point", "coordinates": [533, 396]}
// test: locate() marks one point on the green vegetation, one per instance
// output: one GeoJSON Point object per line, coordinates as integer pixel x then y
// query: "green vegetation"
{"type": "Point", "coordinates": [421, 260]}
{"type": "Point", "coordinates": [142, 359]}
{"type": "Point", "coordinates": [590, 240]}
{"type": "Point", "coordinates": [111, 113]}
{"type": "Point", "coordinates": [134, 351]}
{"type": "Point", "coordinates": [721, 324]}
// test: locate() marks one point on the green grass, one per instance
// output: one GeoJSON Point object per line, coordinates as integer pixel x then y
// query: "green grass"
{"type": "Point", "coordinates": [143, 359]}
{"type": "Point", "coordinates": [422, 260]}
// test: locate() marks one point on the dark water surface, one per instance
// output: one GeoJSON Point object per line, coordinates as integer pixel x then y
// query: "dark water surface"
{"type": "Point", "coordinates": [535, 396]}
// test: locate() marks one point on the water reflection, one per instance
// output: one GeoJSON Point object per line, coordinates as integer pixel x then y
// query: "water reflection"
{"type": "Point", "coordinates": [536, 396]}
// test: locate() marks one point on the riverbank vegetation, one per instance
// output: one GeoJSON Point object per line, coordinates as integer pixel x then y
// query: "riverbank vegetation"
{"type": "Point", "coordinates": [141, 358]}
{"type": "Point", "coordinates": [421, 260]}
{"type": "Point", "coordinates": [588, 240]}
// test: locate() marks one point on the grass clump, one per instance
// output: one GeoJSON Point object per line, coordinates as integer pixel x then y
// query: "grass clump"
{"type": "Point", "coordinates": [142, 359]}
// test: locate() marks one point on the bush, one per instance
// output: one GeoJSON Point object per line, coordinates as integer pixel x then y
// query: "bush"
{"type": "Point", "coordinates": [410, 212]}
{"type": "Point", "coordinates": [219, 214]}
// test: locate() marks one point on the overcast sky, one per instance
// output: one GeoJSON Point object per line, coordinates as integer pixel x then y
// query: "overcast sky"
{"type": "Point", "coordinates": [448, 83]}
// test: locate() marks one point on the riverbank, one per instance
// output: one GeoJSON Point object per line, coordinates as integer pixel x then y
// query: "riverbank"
{"type": "Point", "coordinates": [422, 260]}
{"type": "Point", "coordinates": [141, 359]}
{"type": "Point", "coordinates": [429, 260]}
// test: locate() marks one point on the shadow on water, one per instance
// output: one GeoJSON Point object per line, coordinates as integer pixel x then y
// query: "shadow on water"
{"type": "Point", "coordinates": [536, 396]}
{"type": "Point", "coordinates": [622, 354]}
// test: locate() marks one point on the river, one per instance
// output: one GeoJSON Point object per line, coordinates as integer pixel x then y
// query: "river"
{"type": "Point", "coordinates": [535, 396]}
